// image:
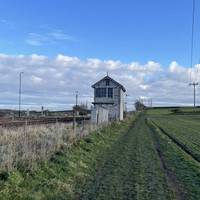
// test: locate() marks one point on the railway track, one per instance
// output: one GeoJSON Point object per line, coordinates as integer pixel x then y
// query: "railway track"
{"type": "Point", "coordinates": [6, 123]}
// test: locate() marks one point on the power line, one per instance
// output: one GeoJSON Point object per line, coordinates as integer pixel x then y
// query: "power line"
{"type": "Point", "coordinates": [194, 84]}
{"type": "Point", "coordinates": [192, 37]}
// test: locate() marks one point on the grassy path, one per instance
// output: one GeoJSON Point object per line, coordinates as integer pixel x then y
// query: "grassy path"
{"type": "Point", "coordinates": [131, 169]}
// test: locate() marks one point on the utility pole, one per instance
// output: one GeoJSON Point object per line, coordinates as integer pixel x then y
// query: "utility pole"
{"type": "Point", "coordinates": [126, 102]}
{"type": "Point", "coordinates": [76, 98]}
{"type": "Point", "coordinates": [150, 102]}
{"type": "Point", "coordinates": [194, 84]}
{"type": "Point", "coordinates": [20, 92]}
{"type": "Point", "coordinates": [75, 113]}
{"type": "Point", "coordinates": [42, 111]}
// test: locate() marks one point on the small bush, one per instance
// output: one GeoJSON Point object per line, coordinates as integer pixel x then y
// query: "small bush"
{"type": "Point", "coordinates": [175, 111]}
{"type": "Point", "coordinates": [88, 140]}
{"type": "Point", "coordinates": [4, 176]}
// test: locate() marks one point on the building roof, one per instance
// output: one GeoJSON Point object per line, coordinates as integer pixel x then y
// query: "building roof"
{"type": "Point", "coordinates": [108, 77]}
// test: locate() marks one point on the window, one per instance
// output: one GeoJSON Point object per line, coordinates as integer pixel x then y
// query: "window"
{"type": "Point", "coordinates": [110, 92]}
{"type": "Point", "coordinates": [103, 92]}
{"type": "Point", "coordinates": [100, 92]}
{"type": "Point", "coordinates": [107, 82]}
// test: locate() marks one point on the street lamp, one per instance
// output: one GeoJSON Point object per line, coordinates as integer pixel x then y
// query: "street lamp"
{"type": "Point", "coordinates": [20, 92]}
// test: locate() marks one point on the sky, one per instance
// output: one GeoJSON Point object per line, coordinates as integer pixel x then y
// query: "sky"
{"type": "Point", "coordinates": [64, 46]}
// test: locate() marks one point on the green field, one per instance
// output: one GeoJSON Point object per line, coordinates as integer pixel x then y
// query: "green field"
{"type": "Point", "coordinates": [152, 155]}
{"type": "Point", "coordinates": [178, 140]}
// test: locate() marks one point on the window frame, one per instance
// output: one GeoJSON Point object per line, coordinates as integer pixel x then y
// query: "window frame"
{"type": "Point", "coordinates": [100, 92]}
{"type": "Point", "coordinates": [110, 92]}
{"type": "Point", "coordinates": [107, 82]}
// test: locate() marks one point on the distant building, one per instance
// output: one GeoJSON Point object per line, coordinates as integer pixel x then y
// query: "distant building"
{"type": "Point", "coordinates": [108, 100]}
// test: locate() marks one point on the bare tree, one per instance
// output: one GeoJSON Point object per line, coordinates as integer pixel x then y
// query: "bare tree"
{"type": "Point", "coordinates": [139, 106]}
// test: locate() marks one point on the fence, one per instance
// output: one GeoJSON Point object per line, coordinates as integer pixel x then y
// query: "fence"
{"type": "Point", "coordinates": [13, 122]}
{"type": "Point", "coordinates": [24, 146]}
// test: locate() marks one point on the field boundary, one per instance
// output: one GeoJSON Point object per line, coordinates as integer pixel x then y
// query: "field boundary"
{"type": "Point", "coordinates": [179, 144]}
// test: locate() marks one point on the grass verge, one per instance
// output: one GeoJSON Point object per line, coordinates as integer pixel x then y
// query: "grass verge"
{"type": "Point", "coordinates": [58, 178]}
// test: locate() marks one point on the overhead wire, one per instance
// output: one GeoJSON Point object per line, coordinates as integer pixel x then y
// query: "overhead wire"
{"type": "Point", "coordinates": [198, 64]}
{"type": "Point", "coordinates": [192, 40]}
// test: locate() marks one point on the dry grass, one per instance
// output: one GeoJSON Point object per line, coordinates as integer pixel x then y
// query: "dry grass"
{"type": "Point", "coordinates": [23, 147]}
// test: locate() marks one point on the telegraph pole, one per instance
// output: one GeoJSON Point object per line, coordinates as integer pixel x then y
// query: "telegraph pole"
{"type": "Point", "coordinates": [194, 84]}
{"type": "Point", "coordinates": [20, 92]}
{"type": "Point", "coordinates": [75, 112]}
{"type": "Point", "coordinates": [126, 102]}
{"type": "Point", "coordinates": [76, 98]}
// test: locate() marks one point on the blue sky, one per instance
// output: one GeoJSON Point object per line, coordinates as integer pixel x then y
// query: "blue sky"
{"type": "Point", "coordinates": [67, 45]}
{"type": "Point", "coordinates": [122, 30]}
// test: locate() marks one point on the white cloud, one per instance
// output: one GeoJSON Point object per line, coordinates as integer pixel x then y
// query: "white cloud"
{"type": "Point", "coordinates": [7, 23]}
{"type": "Point", "coordinates": [63, 60]}
{"type": "Point", "coordinates": [149, 67]}
{"type": "Point", "coordinates": [36, 79]}
{"type": "Point", "coordinates": [144, 87]}
{"type": "Point", "coordinates": [53, 82]}
{"type": "Point", "coordinates": [113, 65]}
{"type": "Point", "coordinates": [59, 35]}
{"type": "Point", "coordinates": [37, 39]}
{"type": "Point", "coordinates": [174, 67]}
{"type": "Point", "coordinates": [3, 20]}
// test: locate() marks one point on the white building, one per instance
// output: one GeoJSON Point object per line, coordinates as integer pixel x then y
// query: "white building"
{"type": "Point", "coordinates": [108, 95]}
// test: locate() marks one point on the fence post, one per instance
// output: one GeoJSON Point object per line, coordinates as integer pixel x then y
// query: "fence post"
{"type": "Point", "coordinates": [83, 123]}
{"type": "Point", "coordinates": [74, 123]}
